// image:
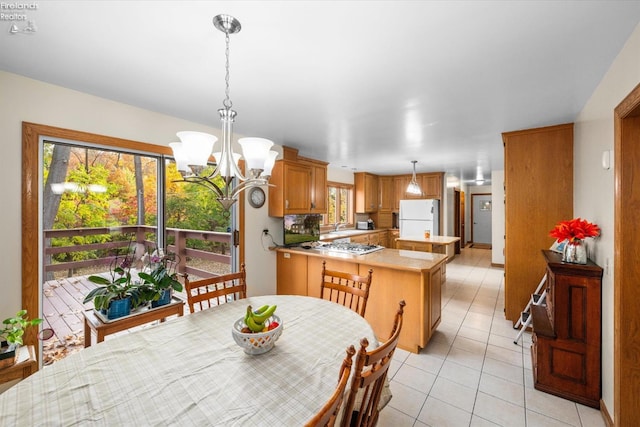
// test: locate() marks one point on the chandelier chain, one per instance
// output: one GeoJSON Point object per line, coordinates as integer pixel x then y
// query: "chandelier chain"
{"type": "Point", "coordinates": [227, 101]}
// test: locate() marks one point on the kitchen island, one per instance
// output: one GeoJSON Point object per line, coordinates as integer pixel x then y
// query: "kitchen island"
{"type": "Point", "coordinates": [438, 244]}
{"type": "Point", "coordinates": [413, 276]}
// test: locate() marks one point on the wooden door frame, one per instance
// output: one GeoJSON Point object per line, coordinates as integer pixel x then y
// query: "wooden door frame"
{"type": "Point", "coordinates": [457, 225]}
{"type": "Point", "coordinates": [31, 134]}
{"type": "Point", "coordinates": [626, 269]}
{"type": "Point", "coordinates": [471, 210]}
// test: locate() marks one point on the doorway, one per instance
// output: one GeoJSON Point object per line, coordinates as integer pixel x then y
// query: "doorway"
{"type": "Point", "coordinates": [458, 215]}
{"type": "Point", "coordinates": [33, 274]}
{"type": "Point", "coordinates": [481, 220]}
{"type": "Point", "coordinates": [627, 269]}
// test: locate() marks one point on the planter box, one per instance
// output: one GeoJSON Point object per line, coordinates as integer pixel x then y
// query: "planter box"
{"type": "Point", "coordinates": [165, 298]}
{"type": "Point", "coordinates": [118, 308]}
{"type": "Point", "coordinates": [7, 354]}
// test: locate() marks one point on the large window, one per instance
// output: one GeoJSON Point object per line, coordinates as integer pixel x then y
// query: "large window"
{"type": "Point", "coordinates": [340, 202]}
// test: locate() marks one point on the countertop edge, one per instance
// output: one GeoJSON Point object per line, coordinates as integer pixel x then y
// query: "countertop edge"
{"type": "Point", "coordinates": [408, 260]}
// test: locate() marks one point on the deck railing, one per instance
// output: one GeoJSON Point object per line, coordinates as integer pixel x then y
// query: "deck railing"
{"type": "Point", "coordinates": [140, 235]}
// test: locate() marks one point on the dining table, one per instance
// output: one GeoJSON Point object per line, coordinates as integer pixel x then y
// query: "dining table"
{"type": "Point", "coordinates": [190, 371]}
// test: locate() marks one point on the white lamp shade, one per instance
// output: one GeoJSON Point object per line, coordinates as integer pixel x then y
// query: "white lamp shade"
{"type": "Point", "coordinates": [224, 168]}
{"type": "Point", "coordinates": [197, 146]}
{"type": "Point", "coordinates": [180, 156]}
{"type": "Point", "coordinates": [255, 151]}
{"type": "Point", "coordinates": [271, 161]}
{"type": "Point", "coordinates": [413, 188]}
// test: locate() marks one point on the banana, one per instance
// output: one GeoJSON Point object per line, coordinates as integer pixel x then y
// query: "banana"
{"type": "Point", "coordinates": [254, 326]}
{"type": "Point", "coordinates": [261, 309]}
{"type": "Point", "coordinates": [262, 317]}
{"type": "Point", "coordinates": [249, 314]}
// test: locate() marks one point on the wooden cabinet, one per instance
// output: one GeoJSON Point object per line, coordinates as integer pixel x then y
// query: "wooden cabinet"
{"type": "Point", "coordinates": [538, 194]}
{"type": "Point", "coordinates": [431, 185]}
{"type": "Point", "coordinates": [383, 239]}
{"type": "Point", "coordinates": [318, 188]}
{"type": "Point", "coordinates": [401, 182]}
{"type": "Point", "coordinates": [567, 332]}
{"type": "Point", "coordinates": [366, 187]}
{"type": "Point", "coordinates": [360, 238]}
{"type": "Point", "coordinates": [300, 185]}
{"type": "Point", "coordinates": [414, 246]}
{"type": "Point", "coordinates": [291, 274]}
{"type": "Point", "coordinates": [386, 197]}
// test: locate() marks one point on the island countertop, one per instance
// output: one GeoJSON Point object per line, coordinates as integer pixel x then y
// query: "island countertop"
{"type": "Point", "coordinates": [396, 259]}
{"type": "Point", "coordinates": [437, 240]}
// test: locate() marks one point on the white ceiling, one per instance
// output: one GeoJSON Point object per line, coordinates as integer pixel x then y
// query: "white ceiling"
{"type": "Point", "coordinates": [368, 85]}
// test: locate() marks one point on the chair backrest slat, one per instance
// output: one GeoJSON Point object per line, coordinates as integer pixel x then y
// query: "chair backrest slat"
{"type": "Point", "coordinates": [347, 289]}
{"type": "Point", "coordinates": [217, 290]}
{"type": "Point", "coordinates": [370, 374]}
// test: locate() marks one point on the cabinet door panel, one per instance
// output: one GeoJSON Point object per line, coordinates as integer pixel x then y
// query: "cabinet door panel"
{"type": "Point", "coordinates": [319, 190]}
{"type": "Point", "coordinates": [297, 189]}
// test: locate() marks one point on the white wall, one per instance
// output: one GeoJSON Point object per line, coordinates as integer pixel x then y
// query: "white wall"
{"type": "Point", "coordinates": [594, 187]}
{"type": "Point", "coordinates": [339, 175]}
{"type": "Point", "coordinates": [497, 217]}
{"type": "Point", "coordinates": [29, 100]}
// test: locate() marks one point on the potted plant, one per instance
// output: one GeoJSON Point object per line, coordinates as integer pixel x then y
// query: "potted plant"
{"type": "Point", "coordinates": [160, 279]}
{"type": "Point", "coordinates": [11, 336]}
{"type": "Point", "coordinates": [115, 296]}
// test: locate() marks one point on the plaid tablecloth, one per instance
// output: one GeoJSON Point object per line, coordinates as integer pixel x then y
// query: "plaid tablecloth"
{"type": "Point", "coordinates": [190, 371]}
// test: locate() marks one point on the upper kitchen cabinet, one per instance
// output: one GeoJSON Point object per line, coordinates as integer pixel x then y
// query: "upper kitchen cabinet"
{"type": "Point", "coordinates": [366, 186]}
{"type": "Point", "coordinates": [318, 187]}
{"type": "Point", "coordinates": [386, 193]}
{"type": "Point", "coordinates": [300, 185]}
{"type": "Point", "coordinates": [431, 185]}
{"type": "Point", "coordinates": [538, 177]}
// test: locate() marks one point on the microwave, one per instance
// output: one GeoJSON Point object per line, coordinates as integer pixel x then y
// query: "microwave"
{"type": "Point", "coordinates": [364, 225]}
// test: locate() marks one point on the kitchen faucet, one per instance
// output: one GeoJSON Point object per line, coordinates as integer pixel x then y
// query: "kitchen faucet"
{"type": "Point", "coordinates": [337, 226]}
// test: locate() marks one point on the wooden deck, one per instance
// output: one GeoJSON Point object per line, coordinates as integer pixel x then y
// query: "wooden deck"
{"type": "Point", "coordinates": [62, 309]}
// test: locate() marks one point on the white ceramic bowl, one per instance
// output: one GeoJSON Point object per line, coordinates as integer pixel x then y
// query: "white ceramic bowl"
{"type": "Point", "coordinates": [256, 343]}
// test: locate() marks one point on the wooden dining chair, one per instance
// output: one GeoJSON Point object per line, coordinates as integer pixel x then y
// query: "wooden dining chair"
{"type": "Point", "coordinates": [350, 290]}
{"type": "Point", "coordinates": [206, 293]}
{"type": "Point", "coordinates": [370, 373]}
{"type": "Point", "coordinates": [326, 417]}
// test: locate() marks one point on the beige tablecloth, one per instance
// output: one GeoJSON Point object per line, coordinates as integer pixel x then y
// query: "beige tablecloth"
{"type": "Point", "coordinates": [190, 371]}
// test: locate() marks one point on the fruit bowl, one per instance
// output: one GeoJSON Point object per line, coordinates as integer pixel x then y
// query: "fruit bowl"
{"type": "Point", "coordinates": [259, 342]}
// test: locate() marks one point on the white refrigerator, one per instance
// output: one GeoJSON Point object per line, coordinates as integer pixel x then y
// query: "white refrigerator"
{"type": "Point", "coordinates": [418, 216]}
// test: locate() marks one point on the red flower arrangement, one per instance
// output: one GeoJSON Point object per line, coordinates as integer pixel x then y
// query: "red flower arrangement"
{"type": "Point", "coordinates": [574, 230]}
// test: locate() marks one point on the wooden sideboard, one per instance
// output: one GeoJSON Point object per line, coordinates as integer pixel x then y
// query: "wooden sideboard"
{"type": "Point", "coordinates": [567, 332]}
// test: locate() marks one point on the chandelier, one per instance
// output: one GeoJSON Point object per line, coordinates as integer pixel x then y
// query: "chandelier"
{"type": "Point", "coordinates": [413, 187]}
{"type": "Point", "coordinates": [194, 149]}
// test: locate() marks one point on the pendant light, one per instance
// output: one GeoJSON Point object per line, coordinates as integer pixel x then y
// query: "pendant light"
{"type": "Point", "coordinates": [194, 149]}
{"type": "Point", "coordinates": [413, 187]}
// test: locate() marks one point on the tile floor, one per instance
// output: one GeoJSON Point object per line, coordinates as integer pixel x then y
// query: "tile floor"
{"type": "Point", "coordinates": [471, 373]}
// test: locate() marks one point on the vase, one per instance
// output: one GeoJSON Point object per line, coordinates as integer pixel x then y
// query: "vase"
{"type": "Point", "coordinates": [165, 298]}
{"type": "Point", "coordinates": [575, 252]}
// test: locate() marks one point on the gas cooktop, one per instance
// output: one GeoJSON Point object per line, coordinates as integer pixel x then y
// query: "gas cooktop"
{"type": "Point", "coordinates": [349, 248]}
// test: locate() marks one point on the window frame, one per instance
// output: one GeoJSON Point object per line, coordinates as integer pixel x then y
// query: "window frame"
{"type": "Point", "coordinates": [326, 226]}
